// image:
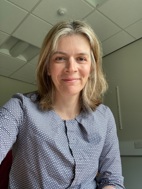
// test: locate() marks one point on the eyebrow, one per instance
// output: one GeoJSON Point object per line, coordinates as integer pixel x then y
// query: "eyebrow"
{"type": "Point", "coordinates": [60, 52]}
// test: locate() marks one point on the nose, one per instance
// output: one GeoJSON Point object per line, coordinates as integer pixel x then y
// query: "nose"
{"type": "Point", "coordinates": [71, 65]}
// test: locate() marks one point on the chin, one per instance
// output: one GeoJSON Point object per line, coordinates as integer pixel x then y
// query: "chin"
{"type": "Point", "coordinates": [73, 93]}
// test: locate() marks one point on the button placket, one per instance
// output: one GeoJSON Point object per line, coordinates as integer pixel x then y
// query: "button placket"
{"type": "Point", "coordinates": [71, 132]}
{"type": "Point", "coordinates": [80, 162]}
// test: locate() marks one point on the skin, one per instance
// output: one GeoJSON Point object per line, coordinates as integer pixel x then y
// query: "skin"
{"type": "Point", "coordinates": [70, 67]}
{"type": "Point", "coordinates": [109, 187]}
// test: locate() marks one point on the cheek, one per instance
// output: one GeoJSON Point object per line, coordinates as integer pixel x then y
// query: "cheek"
{"type": "Point", "coordinates": [55, 73]}
{"type": "Point", "coordinates": [87, 71]}
{"type": "Point", "coordinates": [53, 70]}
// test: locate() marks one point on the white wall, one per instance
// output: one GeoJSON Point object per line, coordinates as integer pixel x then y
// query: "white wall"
{"type": "Point", "coordinates": [8, 87]}
{"type": "Point", "coordinates": [132, 171]}
{"type": "Point", "coordinates": [123, 68]}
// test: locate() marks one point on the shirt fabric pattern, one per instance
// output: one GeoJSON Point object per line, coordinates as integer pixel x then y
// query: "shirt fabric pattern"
{"type": "Point", "coordinates": [51, 153]}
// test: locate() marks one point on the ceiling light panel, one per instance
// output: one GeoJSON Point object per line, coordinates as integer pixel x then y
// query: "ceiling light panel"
{"type": "Point", "coordinates": [19, 49]}
{"type": "Point", "coordinates": [3, 37]}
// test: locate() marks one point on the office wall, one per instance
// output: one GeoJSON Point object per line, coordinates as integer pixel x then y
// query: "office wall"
{"type": "Point", "coordinates": [132, 171]}
{"type": "Point", "coordinates": [123, 70]}
{"type": "Point", "coordinates": [8, 87]}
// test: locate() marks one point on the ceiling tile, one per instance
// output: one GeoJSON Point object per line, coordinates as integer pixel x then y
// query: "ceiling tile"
{"type": "Point", "coordinates": [26, 4]}
{"type": "Point", "coordinates": [34, 61]}
{"type": "Point", "coordinates": [117, 41]}
{"type": "Point", "coordinates": [33, 30]}
{"type": "Point", "coordinates": [135, 29]}
{"type": "Point", "coordinates": [72, 10]}
{"type": "Point", "coordinates": [103, 27]}
{"type": "Point", "coordinates": [95, 3]}
{"type": "Point", "coordinates": [10, 16]}
{"type": "Point", "coordinates": [8, 64]}
{"type": "Point", "coordinates": [3, 37]}
{"type": "Point", "coordinates": [122, 12]}
{"type": "Point", "coordinates": [26, 73]}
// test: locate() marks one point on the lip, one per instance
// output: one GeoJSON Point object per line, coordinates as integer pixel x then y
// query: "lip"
{"type": "Point", "coordinates": [71, 79]}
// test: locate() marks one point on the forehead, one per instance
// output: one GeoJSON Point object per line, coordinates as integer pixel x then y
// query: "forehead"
{"type": "Point", "coordinates": [74, 40]}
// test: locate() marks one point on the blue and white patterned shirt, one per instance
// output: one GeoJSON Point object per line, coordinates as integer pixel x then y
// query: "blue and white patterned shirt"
{"type": "Point", "coordinates": [51, 153]}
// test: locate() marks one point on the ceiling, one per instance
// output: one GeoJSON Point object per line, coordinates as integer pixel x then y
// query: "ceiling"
{"type": "Point", "coordinates": [24, 24]}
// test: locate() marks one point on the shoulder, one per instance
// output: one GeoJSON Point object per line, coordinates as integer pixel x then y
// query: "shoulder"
{"type": "Point", "coordinates": [104, 114]}
{"type": "Point", "coordinates": [101, 115]}
{"type": "Point", "coordinates": [20, 100]}
{"type": "Point", "coordinates": [31, 97]}
{"type": "Point", "coordinates": [107, 116]}
{"type": "Point", "coordinates": [103, 110]}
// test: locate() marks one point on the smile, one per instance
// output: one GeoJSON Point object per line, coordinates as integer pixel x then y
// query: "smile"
{"type": "Point", "coordinates": [71, 79]}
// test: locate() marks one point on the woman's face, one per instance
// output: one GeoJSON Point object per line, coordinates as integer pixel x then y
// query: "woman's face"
{"type": "Point", "coordinates": [70, 65]}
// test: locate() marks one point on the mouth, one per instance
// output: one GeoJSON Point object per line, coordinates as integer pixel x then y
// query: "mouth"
{"type": "Point", "coordinates": [71, 79]}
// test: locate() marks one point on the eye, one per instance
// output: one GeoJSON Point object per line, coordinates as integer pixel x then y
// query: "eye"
{"type": "Point", "coordinates": [81, 59]}
{"type": "Point", "coordinates": [60, 59]}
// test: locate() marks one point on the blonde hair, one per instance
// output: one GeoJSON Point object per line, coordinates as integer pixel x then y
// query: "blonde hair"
{"type": "Point", "coordinates": [91, 95]}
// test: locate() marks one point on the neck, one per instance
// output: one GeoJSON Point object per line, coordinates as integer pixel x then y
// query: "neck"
{"type": "Point", "coordinates": [67, 108]}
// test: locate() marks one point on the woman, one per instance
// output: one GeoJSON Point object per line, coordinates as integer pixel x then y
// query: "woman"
{"type": "Point", "coordinates": [62, 136]}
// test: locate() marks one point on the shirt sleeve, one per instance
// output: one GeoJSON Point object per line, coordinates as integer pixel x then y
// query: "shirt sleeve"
{"type": "Point", "coordinates": [110, 171]}
{"type": "Point", "coordinates": [11, 116]}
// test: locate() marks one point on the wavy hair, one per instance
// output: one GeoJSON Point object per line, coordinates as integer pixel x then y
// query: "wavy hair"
{"type": "Point", "coordinates": [96, 86]}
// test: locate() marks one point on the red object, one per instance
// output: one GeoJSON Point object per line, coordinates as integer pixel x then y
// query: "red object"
{"type": "Point", "coordinates": [4, 170]}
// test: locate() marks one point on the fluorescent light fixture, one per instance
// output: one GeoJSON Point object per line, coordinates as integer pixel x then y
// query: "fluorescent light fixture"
{"type": "Point", "coordinates": [19, 49]}
{"type": "Point", "coordinates": [96, 3]}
